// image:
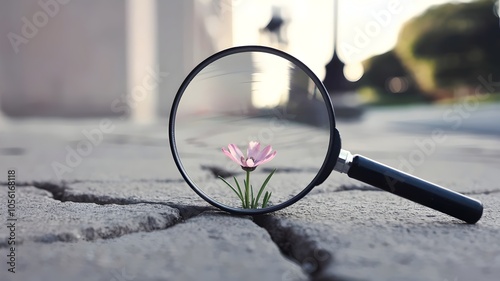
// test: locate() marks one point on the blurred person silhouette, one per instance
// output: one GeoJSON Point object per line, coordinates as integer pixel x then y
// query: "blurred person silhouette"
{"type": "Point", "coordinates": [276, 28]}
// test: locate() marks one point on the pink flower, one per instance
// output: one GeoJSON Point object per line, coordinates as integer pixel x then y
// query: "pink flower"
{"type": "Point", "coordinates": [254, 157]}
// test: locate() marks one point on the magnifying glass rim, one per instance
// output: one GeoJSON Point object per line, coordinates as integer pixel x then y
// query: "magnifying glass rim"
{"type": "Point", "coordinates": [333, 147]}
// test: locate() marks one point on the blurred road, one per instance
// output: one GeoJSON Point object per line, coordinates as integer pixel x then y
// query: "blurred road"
{"type": "Point", "coordinates": [462, 117]}
{"type": "Point", "coordinates": [122, 212]}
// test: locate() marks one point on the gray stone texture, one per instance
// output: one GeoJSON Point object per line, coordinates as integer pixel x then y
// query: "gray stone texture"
{"type": "Point", "coordinates": [124, 213]}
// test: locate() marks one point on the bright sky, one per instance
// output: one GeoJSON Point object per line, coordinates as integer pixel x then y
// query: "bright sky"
{"type": "Point", "coordinates": [366, 27]}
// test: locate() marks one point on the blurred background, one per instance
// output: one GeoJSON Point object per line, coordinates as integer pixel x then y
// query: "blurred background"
{"type": "Point", "coordinates": [74, 58]}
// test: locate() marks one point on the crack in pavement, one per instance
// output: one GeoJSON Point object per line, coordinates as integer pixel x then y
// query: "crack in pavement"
{"type": "Point", "coordinates": [481, 192]}
{"type": "Point", "coordinates": [295, 244]}
{"type": "Point", "coordinates": [59, 193]}
{"type": "Point", "coordinates": [160, 221]}
{"type": "Point", "coordinates": [90, 233]}
{"type": "Point", "coordinates": [298, 247]}
{"type": "Point", "coordinates": [299, 243]}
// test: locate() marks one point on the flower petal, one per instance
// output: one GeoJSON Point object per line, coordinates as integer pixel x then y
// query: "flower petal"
{"type": "Point", "coordinates": [230, 155]}
{"type": "Point", "coordinates": [267, 159]}
{"type": "Point", "coordinates": [253, 149]}
{"type": "Point", "coordinates": [235, 151]}
{"type": "Point", "coordinates": [263, 154]}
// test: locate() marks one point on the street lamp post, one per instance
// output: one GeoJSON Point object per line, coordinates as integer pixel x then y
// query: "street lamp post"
{"type": "Point", "coordinates": [335, 80]}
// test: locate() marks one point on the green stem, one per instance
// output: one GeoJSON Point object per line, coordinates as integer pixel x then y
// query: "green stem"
{"type": "Point", "coordinates": [263, 187]}
{"type": "Point", "coordinates": [247, 190]}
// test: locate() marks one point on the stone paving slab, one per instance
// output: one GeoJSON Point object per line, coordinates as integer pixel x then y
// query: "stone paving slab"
{"type": "Point", "coordinates": [125, 213]}
{"type": "Point", "coordinates": [368, 235]}
{"type": "Point", "coordinates": [78, 151]}
{"type": "Point", "coordinates": [211, 246]}
{"type": "Point", "coordinates": [40, 218]}
{"type": "Point", "coordinates": [350, 233]}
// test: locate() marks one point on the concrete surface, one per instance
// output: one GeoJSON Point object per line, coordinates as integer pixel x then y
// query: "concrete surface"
{"type": "Point", "coordinates": [125, 214]}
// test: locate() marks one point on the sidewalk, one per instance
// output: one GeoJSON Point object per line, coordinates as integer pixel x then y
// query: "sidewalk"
{"type": "Point", "coordinates": [123, 213]}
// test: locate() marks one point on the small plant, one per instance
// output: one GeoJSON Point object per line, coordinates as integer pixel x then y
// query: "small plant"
{"type": "Point", "coordinates": [249, 163]}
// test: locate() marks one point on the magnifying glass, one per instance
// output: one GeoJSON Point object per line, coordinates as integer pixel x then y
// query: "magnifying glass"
{"type": "Point", "coordinates": [252, 131]}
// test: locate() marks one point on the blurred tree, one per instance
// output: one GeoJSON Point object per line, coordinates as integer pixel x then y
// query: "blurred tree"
{"type": "Point", "coordinates": [380, 68]}
{"type": "Point", "coordinates": [450, 46]}
{"type": "Point", "coordinates": [388, 79]}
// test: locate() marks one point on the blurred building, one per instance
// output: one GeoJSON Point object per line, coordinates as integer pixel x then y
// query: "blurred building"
{"type": "Point", "coordinates": [70, 58]}
{"type": "Point", "coordinates": [62, 59]}
{"type": "Point", "coordinates": [88, 58]}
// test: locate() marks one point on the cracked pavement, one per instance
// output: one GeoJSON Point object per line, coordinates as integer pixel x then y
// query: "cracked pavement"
{"type": "Point", "coordinates": [124, 213]}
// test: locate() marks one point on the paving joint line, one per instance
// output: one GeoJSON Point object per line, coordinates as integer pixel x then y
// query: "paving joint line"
{"type": "Point", "coordinates": [58, 192]}
{"type": "Point", "coordinates": [298, 248]}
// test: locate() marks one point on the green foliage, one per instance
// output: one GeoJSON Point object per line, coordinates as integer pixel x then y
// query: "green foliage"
{"type": "Point", "coordinates": [379, 69]}
{"type": "Point", "coordinates": [375, 85]}
{"type": "Point", "coordinates": [379, 97]}
{"type": "Point", "coordinates": [450, 45]}
{"type": "Point", "coordinates": [248, 201]}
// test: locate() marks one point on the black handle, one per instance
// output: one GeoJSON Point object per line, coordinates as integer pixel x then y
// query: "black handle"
{"type": "Point", "coordinates": [417, 190]}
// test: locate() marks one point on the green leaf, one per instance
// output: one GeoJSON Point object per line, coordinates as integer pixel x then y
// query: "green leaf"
{"type": "Point", "coordinates": [228, 184]}
{"type": "Point", "coordinates": [253, 199]}
{"type": "Point", "coordinates": [264, 186]}
{"type": "Point", "coordinates": [239, 189]}
{"type": "Point", "coordinates": [266, 199]}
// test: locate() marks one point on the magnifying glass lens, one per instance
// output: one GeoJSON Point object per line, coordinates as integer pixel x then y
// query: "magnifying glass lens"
{"type": "Point", "coordinates": [252, 130]}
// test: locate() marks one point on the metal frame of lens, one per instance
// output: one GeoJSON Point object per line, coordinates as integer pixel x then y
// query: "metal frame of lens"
{"type": "Point", "coordinates": [333, 146]}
